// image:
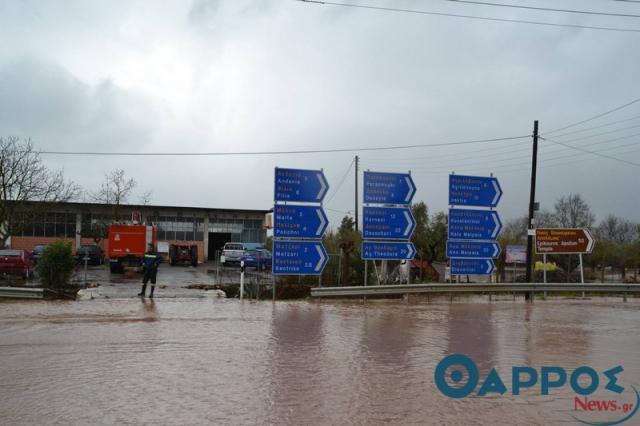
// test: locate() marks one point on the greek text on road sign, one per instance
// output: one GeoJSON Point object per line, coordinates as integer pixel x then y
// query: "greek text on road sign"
{"type": "Point", "coordinates": [396, 223]}
{"type": "Point", "coordinates": [563, 240]}
{"type": "Point", "coordinates": [471, 266]}
{"type": "Point", "coordinates": [299, 257]}
{"type": "Point", "coordinates": [295, 221]}
{"type": "Point", "coordinates": [472, 249]}
{"type": "Point", "coordinates": [474, 191]}
{"type": "Point", "coordinates": [388, 188]}
{"type": "Point", "coordinates": [298, 185]}
{"type": "Point", "coordinates": [380, 250]}
{"type": "Point", "coordinates": [474, 224]}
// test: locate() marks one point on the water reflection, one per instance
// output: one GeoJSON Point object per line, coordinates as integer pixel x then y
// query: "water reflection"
{"type": "Point", "coordinates": [177, 361]}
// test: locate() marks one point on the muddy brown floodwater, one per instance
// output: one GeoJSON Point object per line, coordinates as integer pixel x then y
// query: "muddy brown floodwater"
{"type": "Point", "coordinates": [191, 361]}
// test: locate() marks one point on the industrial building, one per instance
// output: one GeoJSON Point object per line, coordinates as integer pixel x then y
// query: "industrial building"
{"type": "Point", "coordinates": [86, 223]}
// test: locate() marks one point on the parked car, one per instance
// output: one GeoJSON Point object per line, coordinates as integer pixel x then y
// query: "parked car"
{"type": "Point", "coordinates": [260, 259]}
{"type": "Point", "coordinates": [37, 252]}
{"type": "Point", "coordinates": [93, 252]}
{"type": "Point", "coordinates": [16, 262]}
{"type": "Point", "coordinates": [232, 253]}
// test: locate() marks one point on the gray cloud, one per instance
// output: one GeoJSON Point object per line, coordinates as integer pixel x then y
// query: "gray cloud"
{"type": "Point", "coordinates": [255, 75]}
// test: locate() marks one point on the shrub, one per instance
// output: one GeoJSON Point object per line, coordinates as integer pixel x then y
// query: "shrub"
{"type": "Point", "coordinates": [56, 264]}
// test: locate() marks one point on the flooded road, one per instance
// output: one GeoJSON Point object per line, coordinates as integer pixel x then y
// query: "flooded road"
{"type": "Point", "coordinates": [194, 361]}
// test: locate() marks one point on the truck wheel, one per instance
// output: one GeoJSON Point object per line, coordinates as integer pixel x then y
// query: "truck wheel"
{"type": "Point", "coordinates": [194, 255]}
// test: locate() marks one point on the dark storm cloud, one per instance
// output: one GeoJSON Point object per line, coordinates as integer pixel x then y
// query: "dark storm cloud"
{"type": "Point", "coordinates": [279, 75]}
{"type": "Point", "coordinates": [46, 103]}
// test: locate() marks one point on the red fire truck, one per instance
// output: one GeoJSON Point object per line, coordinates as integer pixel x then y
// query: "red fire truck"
{"type": "Point", "coordinates": [128, 244]}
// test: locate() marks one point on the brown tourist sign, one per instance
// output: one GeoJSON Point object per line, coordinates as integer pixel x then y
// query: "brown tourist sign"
{"type": "Point", "coordinates": [563, 241]}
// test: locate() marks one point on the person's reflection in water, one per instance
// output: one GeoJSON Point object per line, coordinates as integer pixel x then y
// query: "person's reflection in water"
{"type": "Point", "coordinates": [150, 312]}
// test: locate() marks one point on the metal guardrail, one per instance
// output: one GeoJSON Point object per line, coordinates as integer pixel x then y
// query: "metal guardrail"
{"type": "Point", "coordinates": [474, 288]}
{"type": "Point", "coordinates": [21, 293]}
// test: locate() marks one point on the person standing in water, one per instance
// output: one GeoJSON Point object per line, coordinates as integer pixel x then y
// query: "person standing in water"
{"type": "Point", "coordinates": [150, 263]}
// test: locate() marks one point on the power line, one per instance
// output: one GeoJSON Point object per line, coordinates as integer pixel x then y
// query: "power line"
{"type": "Point", "coordinates": [593, 152]}
{"type": "Point", "coordinates": [335, 191]}
{"type": "Point", "coordinates": [545, 9]}
{"type": "Point", "coordinates": [447, 165]}
{"type": "Point", "coordinates": [594, 117]}
{"type": "Point", "coordinates": [455, 15]}
{"type": "Point", "coordinates": [309, 151]}
{"type": "Point", "coordinates": [598, 127]}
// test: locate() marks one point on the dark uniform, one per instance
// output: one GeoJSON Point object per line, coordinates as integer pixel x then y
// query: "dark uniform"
{"type": "Point", "coordinates": [150, 263]}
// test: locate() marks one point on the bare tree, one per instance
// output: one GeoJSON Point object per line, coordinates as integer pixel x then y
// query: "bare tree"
{"type": "Point", "coordinates": [145, 198]}
{"type": "Point", "coordinates": [24, 178]}
{"type": "Point", "coordinates": [114, 190]}
{"type": "Point", "coordinates": [573, 212]}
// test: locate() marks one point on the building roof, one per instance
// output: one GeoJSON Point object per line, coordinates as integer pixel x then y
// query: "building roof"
{"type": "Point", "coordinates": [84, 205]}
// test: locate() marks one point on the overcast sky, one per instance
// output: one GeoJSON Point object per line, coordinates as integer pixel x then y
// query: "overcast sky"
{"type": "Point", "coordinates": [242, 75]}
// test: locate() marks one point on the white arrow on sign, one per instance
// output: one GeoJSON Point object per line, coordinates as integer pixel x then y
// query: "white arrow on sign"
{"type": "Point", "coordinates": [591, 240]}
{"type": "Point", "coordinates": [496, 250]}
{"type": "Point", "coordinates": [409, 223]}
{"type": "Point", "coordinates": [489, 266]}
{"type": "Point", "coordinates": [321, 261]}
{"type": "Point", "coordinates": [411, 251]}
{"type": "Point", "coordinates": [496, 229]}
{"type": "Point", "coordinates": [323, 186]}
{"type": "Point", "coordinates": [322, 221]}
{"type": "Point", "coordinates": [498, 192]}
{"type": "Point", "coordinates": [412, 189]}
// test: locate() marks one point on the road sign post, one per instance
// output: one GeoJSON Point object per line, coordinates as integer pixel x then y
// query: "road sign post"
{"type": "Point", "coordinates": [387, 216]}
{"type": "Point", "coordinates": [475, 191]}
{"type": "Point", "coordinates": [471, 247]}
{"type": "Point", "coordinates": [394, 223]}
{"type": "Point", "coordinates": [563, 241]}
{"type": "Point", "coordinates": [298, 229]}
{"type": "Point", "coordinates": [388, 250]}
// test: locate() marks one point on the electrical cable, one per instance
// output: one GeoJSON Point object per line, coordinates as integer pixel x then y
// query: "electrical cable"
{"type": "Point", "coordinates": [593, 152]}
{"type": "Point", "coordinates": [455, 15]}
{"type": "Point", "coordinates": [545, 9]}
{"type": "Point", "coordinates": [310, 151]}
{"type": "Point", "coordinates": [598, 127]}
{"type": "Point", "coordinates": [594, 117]}
{"type": "Point", "coordinates": [335, 191]}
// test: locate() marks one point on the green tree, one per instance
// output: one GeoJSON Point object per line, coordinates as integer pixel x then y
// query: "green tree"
{"type": "Point", "coordinates": [56, 264]}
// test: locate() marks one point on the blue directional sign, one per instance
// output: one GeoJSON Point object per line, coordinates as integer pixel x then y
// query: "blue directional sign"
{"type": "Point", "coordinates": [298, 185]}
{"type": "Point", "coordinates": [474, 224]}
{"type": "Point", "coordinates": [396, 223]}
{"type": "Point", "coordinates": [388, 188]}
{"type": "Point", "coordinates": [472, 266]}
{"type": "Point", "coordinates": [299, 257]}
{"type": "Point", "coordinates": [473, 249]}
{"type": "Point", "coordinates": [293, 221]}
{"type": "Point", "coordinates": [380, 250]}
{"type": "Point", "coordinates": [474, 191]}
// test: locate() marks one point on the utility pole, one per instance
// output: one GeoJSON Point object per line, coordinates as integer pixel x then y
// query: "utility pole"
{"type": "Point", "coordinates": [532, 201]}
{"type": "Point", "coordinates": [356, 200]}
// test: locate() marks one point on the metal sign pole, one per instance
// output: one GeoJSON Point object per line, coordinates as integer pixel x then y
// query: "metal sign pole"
{"type": "Point", "coordinates": [365, 272]}
{"type": "Point", "coordinates": [544, 272]}
{"type": "Point", "coordinates": [242, 280]}
{"type": "Point", "coordinates": [581, 272]}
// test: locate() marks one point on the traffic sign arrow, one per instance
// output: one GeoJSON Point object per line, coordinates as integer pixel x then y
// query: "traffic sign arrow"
{"type": "Point", "coordinates": [299, 185]}
{"type": "Point", "coordinates": [299, 257]}
{"type": "Point", "coordinates": [564, 240]}
{"type": "Point", "coordinates": [474, 191]}
{"type": "Point", "coordinates": [380, 250]}
{"type": "Point", "coordinates": [472, 249]}
{"type": "Point", "coordinates": [293, 221]}
{"type": "Point", "coordinates": [388, 188]}
{"type": "Point", "coordinates": [471, 266]}
{"type": "Point", "coordinates": [474, 224]}
{"type": "Point", "coordinates": [395, 223]}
